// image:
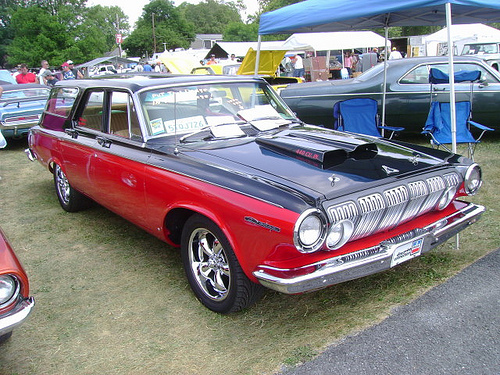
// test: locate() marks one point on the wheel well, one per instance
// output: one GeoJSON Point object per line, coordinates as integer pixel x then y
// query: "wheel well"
{"type": "Point", "coordinates": [174, 222]}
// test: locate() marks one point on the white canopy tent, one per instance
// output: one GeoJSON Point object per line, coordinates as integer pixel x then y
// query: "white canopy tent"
{"type": "Point", "coordinates": [460, 34]}
{"type": "Point", "coordinates": [342, 40]}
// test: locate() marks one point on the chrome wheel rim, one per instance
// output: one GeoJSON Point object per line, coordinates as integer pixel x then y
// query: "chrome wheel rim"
{"type": "Point", "coordinates": [209, 264]}
{"type": "Point", "coordinates": [62, 184]}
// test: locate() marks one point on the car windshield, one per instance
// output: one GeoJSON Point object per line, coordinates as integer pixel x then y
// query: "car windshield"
{"type": "Point", "coordinates": [220, 109]}
{"type": "Point", "coordinates": [478, 49]}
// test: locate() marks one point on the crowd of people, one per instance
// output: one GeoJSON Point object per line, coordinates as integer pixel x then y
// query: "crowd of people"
{"type": "Point", "coordinates": [45, 76]}
{"type": "Point", "coordinates": [293, 65]}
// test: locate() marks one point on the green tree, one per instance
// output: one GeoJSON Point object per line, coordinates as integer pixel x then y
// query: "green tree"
{"type": "Point", "coordinates": [39, 35]}
{"type": "Point", "coordinates": [211, 16]}
{"type": "Point", "coordinates": [170, 29]}
{"type": "Point", "coordinates": [241, 32]}
{"type": "Point", "coordinates": [270, 5]}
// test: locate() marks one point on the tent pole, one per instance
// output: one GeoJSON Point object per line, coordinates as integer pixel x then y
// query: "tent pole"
{"type": "Point", "coordinates": [453, 115]}
{"type": "Point", "coordinates": [257, 56]}
{"type": "Point", "coordinates": [384, 89]}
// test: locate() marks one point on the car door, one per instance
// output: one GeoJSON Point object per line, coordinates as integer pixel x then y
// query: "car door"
{"type": "Point", "coordinates": [414, 93]}
{"type": "Point", "coordinates": [118, 163]}
{"type": "Point", "coordinates": [79, 143]}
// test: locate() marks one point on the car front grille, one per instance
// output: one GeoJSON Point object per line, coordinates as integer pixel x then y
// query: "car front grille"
{"type": "Point", "coordinates": [379, 211]}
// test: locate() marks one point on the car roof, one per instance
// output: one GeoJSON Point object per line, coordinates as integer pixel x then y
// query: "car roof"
{"type": "Point", "coordinates": [136, 82]}
{"type": "Point", "coordinates": [432, 59]}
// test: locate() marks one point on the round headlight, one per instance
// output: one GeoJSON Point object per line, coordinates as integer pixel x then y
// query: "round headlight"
{"type": "Point", "coordinates": [8, 288]}
{"type": "Point", "coordinates": [310, 231]}
{"type": "Point", "coordinates": [339, 234]}
{"type": "Point", "coordinates": [446, 198]}
{"type": "Point", "coordinates": [473, 179]}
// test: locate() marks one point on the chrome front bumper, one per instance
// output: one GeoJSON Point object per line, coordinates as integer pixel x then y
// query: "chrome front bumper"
{"type": "Point", "coordinates": [16, 316]}
{"type": "Point", "coordinates": [371, 260]}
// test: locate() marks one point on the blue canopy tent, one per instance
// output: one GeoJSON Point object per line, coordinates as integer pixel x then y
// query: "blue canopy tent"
{"type": "Point", "coordinates": [344, 15]}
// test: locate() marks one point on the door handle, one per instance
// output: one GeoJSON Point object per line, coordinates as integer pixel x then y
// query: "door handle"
{"type": "Point", "coordinates": [73, 133]}
{"type": "Point", "coordinates": [104, 142]}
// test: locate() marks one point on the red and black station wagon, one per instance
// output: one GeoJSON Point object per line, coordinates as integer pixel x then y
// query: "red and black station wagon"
{"type": "Point", "coordinates": [220, 167]}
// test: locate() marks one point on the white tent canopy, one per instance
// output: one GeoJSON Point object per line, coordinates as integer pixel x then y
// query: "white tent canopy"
{"type": "Point", "coordinates": [342, 40]}
{"type": "Point", "coordinates": [241, 48]}
{"type": "Point", "coordinates": [461, 34]}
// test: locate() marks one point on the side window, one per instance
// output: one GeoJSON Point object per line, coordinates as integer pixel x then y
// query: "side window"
{"type": "Point", "coordinates": [92, 114]}
{"type": "Point", "coordinates": [123, 116]}
{"type": "Point", "coordinates": [419, 75]}
{"type": "Point", "coordinates": [58, 107]}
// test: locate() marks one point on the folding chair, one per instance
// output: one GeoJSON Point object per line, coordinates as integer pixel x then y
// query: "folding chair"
{"type": "Point", "coordinates": [438, 124]}
{"type": "Point", "coordinates": [360, 116]}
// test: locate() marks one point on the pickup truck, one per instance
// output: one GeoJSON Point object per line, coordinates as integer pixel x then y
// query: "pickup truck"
{"type": "Point", "coordinates": [488, 51]}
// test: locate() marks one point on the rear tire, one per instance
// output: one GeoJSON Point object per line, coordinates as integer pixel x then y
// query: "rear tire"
{"type": "Point", "coordinates": [212, 269]}
{"type": "Point", "coordinates": [70, 199]}
{"type": "Point", "coordinates": [5, 337]}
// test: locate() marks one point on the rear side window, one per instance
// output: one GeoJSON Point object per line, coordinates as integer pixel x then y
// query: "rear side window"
{"type": "Point", "coordinates": [58, 107]}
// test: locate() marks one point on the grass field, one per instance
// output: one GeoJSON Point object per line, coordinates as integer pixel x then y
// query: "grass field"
{"type": "Point", "coordinates": [111, 299]}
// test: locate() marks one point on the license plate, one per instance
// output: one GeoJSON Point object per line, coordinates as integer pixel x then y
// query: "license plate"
{"type": "Point", "coordinates": [407, 251]}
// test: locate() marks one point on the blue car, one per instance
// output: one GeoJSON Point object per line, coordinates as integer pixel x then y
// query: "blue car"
{"type": "Point", "coordinates": [21, 107]}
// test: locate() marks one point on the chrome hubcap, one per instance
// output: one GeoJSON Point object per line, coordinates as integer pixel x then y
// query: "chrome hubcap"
{"type": "Point", "coordinates": [62, 184]}
{"type": "Point", "coordinates": [209, 264]}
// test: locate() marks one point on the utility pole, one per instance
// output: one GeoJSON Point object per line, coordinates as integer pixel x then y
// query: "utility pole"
{"type": "Point", "coordinates": [118, 36]}
{"type": "Point", "coordinates": [154, 36]}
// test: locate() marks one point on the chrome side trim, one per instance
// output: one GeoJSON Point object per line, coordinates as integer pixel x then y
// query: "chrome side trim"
{"type": "Point", "coordinates": [370, 260]}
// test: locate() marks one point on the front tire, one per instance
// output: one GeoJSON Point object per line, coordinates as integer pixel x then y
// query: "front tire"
{"type": "Point", "coordinates": [212, 269]}
{"type": "Point", "coordinates": [70, 199]}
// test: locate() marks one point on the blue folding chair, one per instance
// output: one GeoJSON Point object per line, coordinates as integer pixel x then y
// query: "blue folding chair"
{"type": "Point", "coordinates": [360, 116]}
{"type": "Point", "coordinates": [438, 124]}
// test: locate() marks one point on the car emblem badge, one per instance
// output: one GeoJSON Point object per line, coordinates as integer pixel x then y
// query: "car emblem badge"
{"type": "Point", "coordinates": [333, 179]}
{"type": "Point", "coordinates": [389, 170]}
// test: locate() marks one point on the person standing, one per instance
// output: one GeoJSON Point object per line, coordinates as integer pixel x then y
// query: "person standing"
{"type": "Point", "coordinates": [212, 60]}
{"type": "Point", "coordinates": [348, 63]}
{"type": "Point", "coordinates": [49, 78]}
{"type": "Point", "coordinates": [67, 72]}
{"type": "Point", "coordinates": [395, 54]}
{"type": "Point", "coordinates": [24, 76]}
{"type": "Point", "coordinates": [147, 68]}
{"type": "Point", "coordinates": [76, 72]}
{"type": "Point", "coordinates": [298, 66]}
{"type": "Point", "coordinates": [44, 68]}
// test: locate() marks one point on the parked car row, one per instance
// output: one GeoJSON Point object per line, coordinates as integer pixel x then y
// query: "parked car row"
{"type": "Point", "coordinates": [21, 107]}
{"type": "Point", "coordinates": [253, 197]}
{"type": "Point", "coordinates": [408, 92]}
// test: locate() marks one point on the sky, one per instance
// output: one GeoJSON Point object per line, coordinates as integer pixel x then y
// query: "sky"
{"type": "Point", "coordinates": [133, 8]}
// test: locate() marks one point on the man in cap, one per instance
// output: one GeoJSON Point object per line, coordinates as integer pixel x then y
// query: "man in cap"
{"type": "Point", "coordinates": [212, 60]}
{"type": "Point", "coordinates": [49, 78]}
{"type": "Point", "coordinates": [76, 72]}
{"type": "Point", "coordinates": [67, 72]}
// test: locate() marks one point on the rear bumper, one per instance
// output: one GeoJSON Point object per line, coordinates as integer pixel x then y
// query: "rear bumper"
{"type": "Point", "coordinates": [16, 316]}
{"type": "Point", "coordinates": [370, 260]}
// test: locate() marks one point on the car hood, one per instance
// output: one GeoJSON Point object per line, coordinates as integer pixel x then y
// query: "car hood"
{"type": "Point", "coordinates": [269, 61]}
{"type": "Point", "coordinates": [317, 162]}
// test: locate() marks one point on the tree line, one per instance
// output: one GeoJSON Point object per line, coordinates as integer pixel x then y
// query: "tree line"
{"type": "Point", "coordinates": [58, 30]}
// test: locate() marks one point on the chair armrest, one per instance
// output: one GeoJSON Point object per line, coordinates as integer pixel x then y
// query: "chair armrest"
{"type": "Point", "coordinates": [480, 126]}
{"type": "Point", "coordinates": [391, 128]}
